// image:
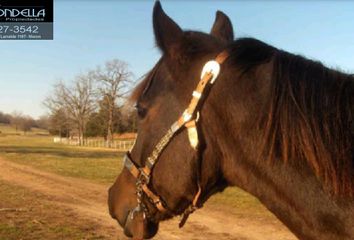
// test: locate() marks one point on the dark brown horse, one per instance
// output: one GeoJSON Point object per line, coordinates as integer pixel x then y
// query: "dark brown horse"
{"type": "Point", "coordinates": [275, 124]}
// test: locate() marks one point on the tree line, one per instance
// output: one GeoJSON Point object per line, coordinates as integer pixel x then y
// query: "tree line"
{"type": "Point", "coordinates": [92, 104]}
{"type": "Point", "coordinates": [24, 123]}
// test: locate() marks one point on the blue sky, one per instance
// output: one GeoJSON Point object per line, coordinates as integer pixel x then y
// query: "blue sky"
{"type": "Point", "coordinates": [88, 33]}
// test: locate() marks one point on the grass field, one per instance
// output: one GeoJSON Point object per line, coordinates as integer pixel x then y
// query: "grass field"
{"type": "Point", "coordinates": [6, 129]}
{"type": "Point", "coordinates": [99, 165]}
{"type": "Point", "coordinates": [96, 165]}
{"type": "Point", "coordinates": [40, 152]}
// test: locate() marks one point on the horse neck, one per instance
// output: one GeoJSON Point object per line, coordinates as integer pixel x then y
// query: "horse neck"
{"type": "Point", "coordinates": [291, 191]}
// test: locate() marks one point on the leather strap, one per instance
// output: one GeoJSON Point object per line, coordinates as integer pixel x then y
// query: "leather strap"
{"type": "Point", "coordinates": [129, 164]}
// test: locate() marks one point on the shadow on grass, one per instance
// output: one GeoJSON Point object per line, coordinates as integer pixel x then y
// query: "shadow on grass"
{"type": "Point", "coordinates": [60, 152]}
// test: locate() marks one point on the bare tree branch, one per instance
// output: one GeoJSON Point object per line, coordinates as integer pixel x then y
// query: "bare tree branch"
{"type": "Point", "coordinates": [76, 100]}
{"type": "Point", "coordinates": [114, 81]}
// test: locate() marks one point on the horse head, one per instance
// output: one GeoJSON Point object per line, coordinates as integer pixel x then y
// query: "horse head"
{"type": "Point", "coordinates": [161, 99]}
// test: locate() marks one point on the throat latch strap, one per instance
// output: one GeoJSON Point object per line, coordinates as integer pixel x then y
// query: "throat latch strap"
{"type": "Point", "coordinates": [191, 208]}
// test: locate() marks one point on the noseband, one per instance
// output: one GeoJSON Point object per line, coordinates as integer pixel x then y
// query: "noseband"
{"type": "Point", "coordinates": [187, 120]}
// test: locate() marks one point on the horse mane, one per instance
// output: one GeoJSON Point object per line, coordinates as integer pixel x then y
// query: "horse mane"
{"type": "Point", "coordinates": [310, 115]}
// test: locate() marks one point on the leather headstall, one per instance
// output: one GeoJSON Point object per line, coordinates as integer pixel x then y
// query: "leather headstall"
{"type": "Point", "coordinates": [188, 120]}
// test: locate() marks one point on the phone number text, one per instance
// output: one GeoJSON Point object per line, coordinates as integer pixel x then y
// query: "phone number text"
{"type": "Point", "coordinates": [19, 29]}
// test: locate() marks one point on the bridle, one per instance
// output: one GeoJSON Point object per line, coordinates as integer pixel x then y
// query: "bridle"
{"type": "Point", "coordinates": [187, 120]}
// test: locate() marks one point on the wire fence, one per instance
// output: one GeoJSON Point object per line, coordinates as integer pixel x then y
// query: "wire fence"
{"type": "Point", "coordinates": [121, 145]}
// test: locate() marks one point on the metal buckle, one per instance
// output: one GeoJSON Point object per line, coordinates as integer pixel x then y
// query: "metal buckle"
{"type": "Point", "coordinates": [212, 67]}
{"type": "Point", "coordinates": [144, 177]}
{"type": "Point", "coordinates": [138, 209]}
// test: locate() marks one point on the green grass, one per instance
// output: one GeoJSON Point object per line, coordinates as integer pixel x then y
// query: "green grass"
{"type": "Point", "coordinates": [102, 166]}
{"type": "Point", "coordinates": [40, 152]}
{"type": "Point", "coordinates": [96, 165]}
{"type": "Point", "coordinates": [6, 129]}
{"type": "Point", "coordinates": [240, 203]}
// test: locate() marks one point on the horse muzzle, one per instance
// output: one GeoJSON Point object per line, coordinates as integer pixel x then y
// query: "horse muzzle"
{"type": "Point", "coordinates": [138, 227]}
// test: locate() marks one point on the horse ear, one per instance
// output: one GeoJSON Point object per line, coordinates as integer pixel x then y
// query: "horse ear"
{"type": "Point", "coordinates": [222, 28]}
{"type": "Point", "coordinates": [167, 32]}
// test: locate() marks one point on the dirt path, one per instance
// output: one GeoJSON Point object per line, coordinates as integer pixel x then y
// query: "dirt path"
{"type": "Point", "coordinates": [88, 200]}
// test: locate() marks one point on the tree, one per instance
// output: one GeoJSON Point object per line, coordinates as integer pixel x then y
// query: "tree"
{"type": "Point", "coordinates": [5, 118]}
{"type": "Point", "coordinates": [76, 100]}
{"type": "Point", "coordinates": [43, 122]}
{"type": "Point", "coordinates": [16, 119]}
{"type": "Point", "coordinates": [59, 123]}
{"type": "Point", "coordinates": [96, 126]}
{"type": "Point", "coordinates": [22, 122]}
{"type": "Point", "coordinates": [128, 120]}
{"type": "Point", "coordinates": [114, 82]}
{"type": "Point", "coordinates": [26, 123]}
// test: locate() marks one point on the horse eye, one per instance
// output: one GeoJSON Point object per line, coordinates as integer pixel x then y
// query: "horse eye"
{"type": "Point", "coordinates": [140, 110]}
